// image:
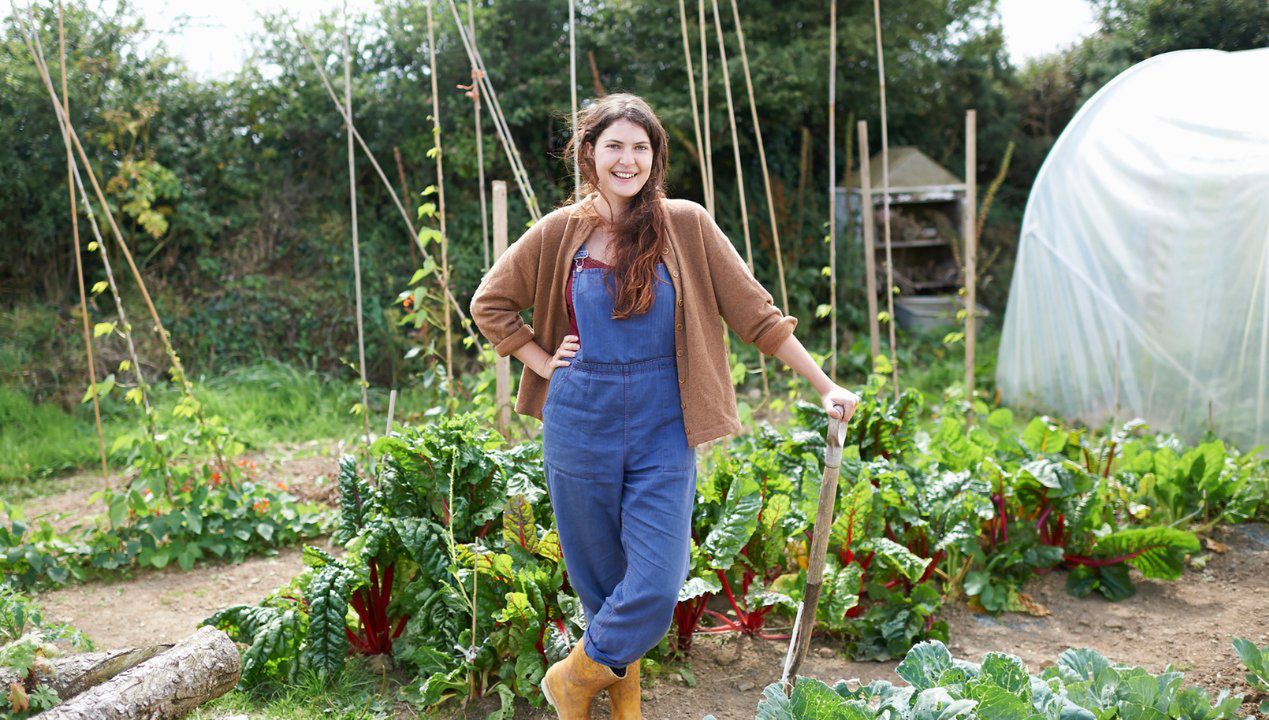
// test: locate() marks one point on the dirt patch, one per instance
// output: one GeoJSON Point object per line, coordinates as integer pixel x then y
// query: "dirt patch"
{"type": "Point", "coordinates": [163, 606]}
{"type": "Point", "coordinates": [156, 606]}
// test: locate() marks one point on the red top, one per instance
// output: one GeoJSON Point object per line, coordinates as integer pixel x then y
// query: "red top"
{"type": "Point", "coordinates": [587, 262]}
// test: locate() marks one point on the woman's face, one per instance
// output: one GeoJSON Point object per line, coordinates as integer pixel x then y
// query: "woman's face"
{"type": "Point", "coordinates": [623, 159]}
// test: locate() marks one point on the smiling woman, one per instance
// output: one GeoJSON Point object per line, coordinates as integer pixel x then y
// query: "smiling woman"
{"type": "Point", "coordinates": [623, 411]}
{"type": "Point", "coordinates": [621, 151]}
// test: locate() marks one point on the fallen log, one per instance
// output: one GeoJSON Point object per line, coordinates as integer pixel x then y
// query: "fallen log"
{"type": "Point", "coordinates": [72, 675]}
{"type": "Point", "coordinates": [198, 669]}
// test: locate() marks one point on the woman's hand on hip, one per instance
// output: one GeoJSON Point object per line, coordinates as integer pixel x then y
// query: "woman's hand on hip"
{"type": "Point", "coordinates": [567, 349]}
{"type": "Point", "coordinates": [839, 402]}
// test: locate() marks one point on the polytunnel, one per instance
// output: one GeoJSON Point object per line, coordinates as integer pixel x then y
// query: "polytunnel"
{"type": "Point", "coordinates": [1141, 285]}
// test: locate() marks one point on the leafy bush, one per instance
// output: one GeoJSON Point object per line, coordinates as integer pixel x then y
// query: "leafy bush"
{"type": "Point", "coordinates": [201, 519]}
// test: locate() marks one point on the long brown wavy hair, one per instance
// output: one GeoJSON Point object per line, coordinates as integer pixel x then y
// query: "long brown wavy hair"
{"type": "Point", "coordinates": [641, 234]}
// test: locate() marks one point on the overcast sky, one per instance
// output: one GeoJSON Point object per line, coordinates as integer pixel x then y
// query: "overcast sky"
{"type": "Point", "coordinates": [214, 38]}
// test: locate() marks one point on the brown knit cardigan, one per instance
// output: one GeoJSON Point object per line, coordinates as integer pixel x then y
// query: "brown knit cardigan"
{"type": "Point", "coordinates": [710, 281]}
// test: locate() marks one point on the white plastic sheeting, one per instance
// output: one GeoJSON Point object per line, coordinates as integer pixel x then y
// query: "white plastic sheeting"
{"type": "Point", "coordinates": [1144, 253]}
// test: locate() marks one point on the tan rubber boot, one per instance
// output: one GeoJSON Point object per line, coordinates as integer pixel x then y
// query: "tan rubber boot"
{"type": "Point", "coordinates": [572, 683]}
{"type": "Point", "coordinates": [623, 695]}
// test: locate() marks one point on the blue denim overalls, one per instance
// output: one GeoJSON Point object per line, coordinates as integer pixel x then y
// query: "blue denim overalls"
{"type": "Point", "coordinates": [621, 476]}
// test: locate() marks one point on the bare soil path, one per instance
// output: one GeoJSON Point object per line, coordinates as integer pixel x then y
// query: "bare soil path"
{"type": "Point", "coordinates": [156, 606]}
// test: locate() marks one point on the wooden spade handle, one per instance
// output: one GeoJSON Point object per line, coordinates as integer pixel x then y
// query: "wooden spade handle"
{"type": "Point", "coordinates": [805, 625]}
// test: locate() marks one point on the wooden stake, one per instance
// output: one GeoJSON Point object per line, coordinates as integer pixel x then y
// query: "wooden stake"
{"type": "Point", "coordinates": [1114, 413]}
{"type": "Point", "coordinates": [832, 188]}
{"type": "Point", "coordinates": [867, 213]}
{"type": "Point", "coordinates": [440, 205]}
{"type": "Point", "coordinates": [392, 408]}
{"type": "Point", "coordinates": [598, 84]}
{"type": "Point", "coordinates": [691, 86]}
{"type": "Point", "coordinates": [572, 91]}
{"type": "Point", "coordinates": [405, 193]}
{"type": "Point", "coordinates": [502, 367]}
{"type": "Point", "coordinates": [79, 263]}
{"type": "Point", "coordinates": [762, 158]}
{"type": "Point", "coordinates": [804, 172]}
{"type": "Point", "coordinates": [885, 198]}
{"type": "Point", "coordinates": [848, 232]}
{"type": "Point", "coordinates": [740, 175]}
{"type": "Point", "coordinates": [356, 248]}
{"type": "Point", "coordinates": [971, 246]}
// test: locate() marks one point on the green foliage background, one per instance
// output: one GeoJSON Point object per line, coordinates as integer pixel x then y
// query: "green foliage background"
{"type": "Point", "coordinates": [233, 193]}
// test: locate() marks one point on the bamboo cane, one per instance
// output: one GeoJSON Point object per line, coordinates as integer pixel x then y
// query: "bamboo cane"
{"type": "Point", "coordinates": [762, 158]}
{"type": "Point", "coordinates": [868, 214]}
{"type": "Point", "coordinates": [356, 248]}
{"type": "Point", "coordinates": [572, 91]}
{"type": "Point", "coordinates": [804, 626]}
{"type": "Point", "coordinates": [480, 144]}
{"type": "Point", "coordinates": [598, 84]}
{"type": "Point", "coordinates": [79, 263]}
{"type": "Point", "coordinates": [383, 178]}
{"type": "Point", "coordinates": [691, 86]}
{"type": "Point", "coordinates": [885, 199]}
{"type": "Point", "coordinates": [440, 204]}
{"type": "Point", "coordinates": [392, 408]}
{"type": "Point", "coordinates": [740, 175]}
{"type": "Point", "coordinates": [499, 120]}
{"type": "Point", "coordinates": [709, 152]}
{"type": "Point", "coordinates": [124, 326]}
{"type": "Point", "coordinates": [832, 188]}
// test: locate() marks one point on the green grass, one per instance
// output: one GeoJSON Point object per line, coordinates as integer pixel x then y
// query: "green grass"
{"type": "Point", "coordinates": [358, 694]}
{"type": "Point", "coordinates": [263, 404]}
{"type": "Point", "coordinates": [274, 403]}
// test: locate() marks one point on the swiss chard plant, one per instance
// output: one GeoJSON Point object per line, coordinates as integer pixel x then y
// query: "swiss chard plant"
{"type": "Point", "coordinates": [446, 573]}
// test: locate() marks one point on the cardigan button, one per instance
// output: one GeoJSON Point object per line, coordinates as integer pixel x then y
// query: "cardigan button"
{"type": "Point", "coordinates": [682, 380]}
{"type": "Point", "coordinates": [683, 405]}
{"type": "Point", "coordinates": [665, 251]}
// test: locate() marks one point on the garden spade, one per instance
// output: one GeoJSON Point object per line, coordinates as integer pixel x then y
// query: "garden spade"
{"type": "Point", "coordinates": [804, 625]}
